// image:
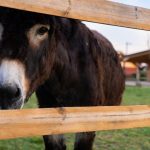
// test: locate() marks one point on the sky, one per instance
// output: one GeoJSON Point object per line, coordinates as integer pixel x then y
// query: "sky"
{"type": "Point", "coordinates": [138, 40]}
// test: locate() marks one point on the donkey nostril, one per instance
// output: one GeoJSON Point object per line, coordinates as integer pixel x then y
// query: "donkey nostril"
{"type": "Point", "coordinates": [9, 92]}
{"type": "Point", "coordinates": [18, 93]}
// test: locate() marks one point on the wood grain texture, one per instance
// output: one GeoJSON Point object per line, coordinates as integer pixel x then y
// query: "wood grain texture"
{"type": "Point", "coordinates": [33, 122]}
{"type": "Point", "coordinates": [101, 11]}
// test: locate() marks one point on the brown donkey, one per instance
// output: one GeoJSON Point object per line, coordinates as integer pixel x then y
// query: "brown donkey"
{"type": "Point", "coordinates": [62, 61]}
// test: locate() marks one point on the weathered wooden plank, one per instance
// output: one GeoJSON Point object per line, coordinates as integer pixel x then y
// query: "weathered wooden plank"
{"type": "Point", "coordinates": [101, 11]}
{"type": "Point", "coordinates": [32, 122]}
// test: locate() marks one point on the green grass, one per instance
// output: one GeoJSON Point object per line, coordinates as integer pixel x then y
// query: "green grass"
{"type": "Point", "coordinates": [131, 139]}
{"type": "Point", "coordinates": [136, 96]}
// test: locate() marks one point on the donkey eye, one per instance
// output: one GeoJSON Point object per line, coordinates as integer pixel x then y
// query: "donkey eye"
{"type": "Point", "coordinates": [42, 30]}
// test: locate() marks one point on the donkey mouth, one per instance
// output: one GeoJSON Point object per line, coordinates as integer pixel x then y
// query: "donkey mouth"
{"type": "Point", "coordinates": [10, 96]}
{"type": "Point", "coordinates": [12, 84]}
{"type": "Point", "coordinates": [15, 104]}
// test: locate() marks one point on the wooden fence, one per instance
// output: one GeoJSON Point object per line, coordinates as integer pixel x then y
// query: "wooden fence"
{"type": "Point", "coordinates": [101, 11]}
{"type": "Point", "coordinates": [22, 123]}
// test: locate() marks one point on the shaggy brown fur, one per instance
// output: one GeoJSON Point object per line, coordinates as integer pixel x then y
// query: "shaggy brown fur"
{"type": "Point", "coordinates": [72, 66]}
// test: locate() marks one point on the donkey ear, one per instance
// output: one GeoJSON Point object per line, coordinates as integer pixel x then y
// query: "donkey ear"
{"type": "Point", "coordinates": [5, 10]}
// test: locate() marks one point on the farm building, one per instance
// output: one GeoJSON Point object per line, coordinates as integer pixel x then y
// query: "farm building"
{"type": "Point", "coordinates": [139, 58]}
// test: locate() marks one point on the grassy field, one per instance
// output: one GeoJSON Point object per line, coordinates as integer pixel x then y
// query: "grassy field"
{"type": "Point", "coordinates": [131, 139]}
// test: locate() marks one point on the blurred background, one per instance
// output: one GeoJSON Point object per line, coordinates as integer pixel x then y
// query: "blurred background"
{"type": "Point", "coordinates": [132, 45]}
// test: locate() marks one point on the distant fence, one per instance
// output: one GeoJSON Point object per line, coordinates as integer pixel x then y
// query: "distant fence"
{"type": "Point", "coordinates": [22, 123]}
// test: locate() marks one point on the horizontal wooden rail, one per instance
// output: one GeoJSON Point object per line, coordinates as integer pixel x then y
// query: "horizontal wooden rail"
{"type": "Point", "coordinates": [101, 11]}
{"type": "Point", "coordinates": [23, 123]}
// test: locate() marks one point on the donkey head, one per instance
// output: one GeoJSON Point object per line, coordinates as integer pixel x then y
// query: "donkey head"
{"type": "Point", "coordinates": [27, 52]}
